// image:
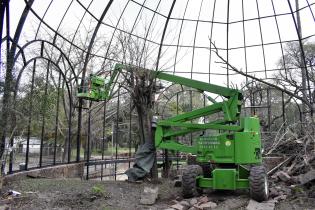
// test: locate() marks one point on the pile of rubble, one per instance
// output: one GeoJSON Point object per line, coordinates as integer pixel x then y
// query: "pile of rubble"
{"type": "Point", "coordinates": [295, 169]}
{"type": "Point", "coordinates": [204, 203]}
{"type": "Point", "coordinates": [296, 172]}
{"type": "Point", "coordinates": [285, 185]}
{"type": "Point", "coordinates": [296, 144]}
{"type": "Point", "coordinates": [207, 201]}
{"type": "Point", "coordinates": [193, 204]}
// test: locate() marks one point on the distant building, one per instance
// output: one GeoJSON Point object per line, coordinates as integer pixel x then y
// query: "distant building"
{"type": "Point", "coordinates": [20, 144]}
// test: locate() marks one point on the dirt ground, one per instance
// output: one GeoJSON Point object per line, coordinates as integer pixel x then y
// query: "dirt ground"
{"type": "Point", "coordinates": [80, 194]}
{"type": "Point", "coordinates": [109, 195]}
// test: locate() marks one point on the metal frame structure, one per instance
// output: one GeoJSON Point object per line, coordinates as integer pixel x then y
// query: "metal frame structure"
{"type": "Point", "coordinates": [17, 60]}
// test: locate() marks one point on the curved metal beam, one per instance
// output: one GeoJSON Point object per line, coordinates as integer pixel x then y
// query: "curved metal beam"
{"type": "Point", "coordinates": [83, 76]}
{"type": "Point", "coordinates": [53, 45]}
{"type": "Point", "coordinates": [9, 77]}
{"type": "Point", "coordinates": [163, 35]}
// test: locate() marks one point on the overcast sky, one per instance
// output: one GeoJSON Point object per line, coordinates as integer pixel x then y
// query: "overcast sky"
{"type": "Point", "coordinates": [204, 19]}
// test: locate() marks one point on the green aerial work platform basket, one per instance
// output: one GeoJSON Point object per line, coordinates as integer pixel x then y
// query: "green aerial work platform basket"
{"type": "Point", "coordinates": [93, 88]}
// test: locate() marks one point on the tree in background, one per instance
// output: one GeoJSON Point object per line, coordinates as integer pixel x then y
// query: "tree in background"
{"type": "Point", "coordinates": [293, 78]}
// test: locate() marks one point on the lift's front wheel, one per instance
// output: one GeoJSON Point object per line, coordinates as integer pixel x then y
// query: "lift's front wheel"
{"type": "Point", "coordinates": [189, 184]}
{"type": "Point", "coordinates": [258, 183]}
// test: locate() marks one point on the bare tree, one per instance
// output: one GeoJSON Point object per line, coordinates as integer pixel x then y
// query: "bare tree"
{"type": "Point", "coordinates": [293, 64]}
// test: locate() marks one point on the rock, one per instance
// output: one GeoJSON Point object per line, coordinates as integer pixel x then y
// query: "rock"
{"type": "Point", "coordinates": [93, 198]}
{"type": "Point", "coordinates": [173, 202]}
{"type": "Point", "coordinates": [178, 198]}
{"type": "Point", "coordinates": [283, 176]}
{"type": "Point", "coordinates": [280, 197]}
{"type": "Point", "coordinates": [274, 176]}
{"type": "Point", "coordinates": [154, 208]}
{"type": "Point", "coordinates": [4, 207]}
{"type": "Point", "coordinates": [294, 179]}
{"type": "Point", "coordinates": [234, 203]}
{"type": "Point", "coordinates": [149, 195]}
{"type": "Point", "coordinates": [208, 205]}
{"type": "Point", "coordinates": [307, 177]}
{"type": "Point", "coordinates": [286, 191]}
{"type": "Point", "coordinates": [185, 203]}
{"type": "Point", "coordinates": [273, 192]}
{"type": "Point", "coordinates": [35, 174]}
{"type": "Point", "coordinates": [193, 201]}
{"type": "Point", "coordinates": [178, 206]}
{"type": "Point", "coordinates": [193, 208]}
{"type": "Point", "coordinates": [267, 205]}
{"type": "Point", "coordinates": [203, 199]}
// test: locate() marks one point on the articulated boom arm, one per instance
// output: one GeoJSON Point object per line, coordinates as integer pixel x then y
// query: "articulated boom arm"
{"type": "Point", "coordinates": [165, 132]}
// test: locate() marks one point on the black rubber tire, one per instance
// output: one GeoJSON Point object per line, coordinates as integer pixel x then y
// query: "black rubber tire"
{"type": "Point", "coordinates": [189, 184]}
{"type": "Point", "coordinates": [258, 183]}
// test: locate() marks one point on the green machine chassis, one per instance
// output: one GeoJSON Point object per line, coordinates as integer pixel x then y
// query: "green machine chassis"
{"type": "Point", "coordinates": [232, 158]}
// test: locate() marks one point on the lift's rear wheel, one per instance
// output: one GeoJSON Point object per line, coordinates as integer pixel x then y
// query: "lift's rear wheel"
{"type": "Point", "coordinates": [258, 183]}
{"type": "Point", "coordinates": [189, 184]}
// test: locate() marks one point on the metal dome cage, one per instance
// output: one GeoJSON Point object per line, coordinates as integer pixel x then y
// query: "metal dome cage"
{"type": "Point", "coordinates": [48, 48]}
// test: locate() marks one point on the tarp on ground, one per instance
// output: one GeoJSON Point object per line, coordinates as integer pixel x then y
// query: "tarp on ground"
{"type": "Point", "coordinates": [143, 163]}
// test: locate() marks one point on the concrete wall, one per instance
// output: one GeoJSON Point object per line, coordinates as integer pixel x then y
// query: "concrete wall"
{"type": "Point", "coordinates": [74, 170]}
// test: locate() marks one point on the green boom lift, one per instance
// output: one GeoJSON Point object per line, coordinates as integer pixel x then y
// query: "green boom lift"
{"type": "Point", "coordinates": [228, 161]}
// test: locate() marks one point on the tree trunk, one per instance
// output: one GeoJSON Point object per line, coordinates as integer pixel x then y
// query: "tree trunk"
{"type": "Point", "coordinates": [147, 134]}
